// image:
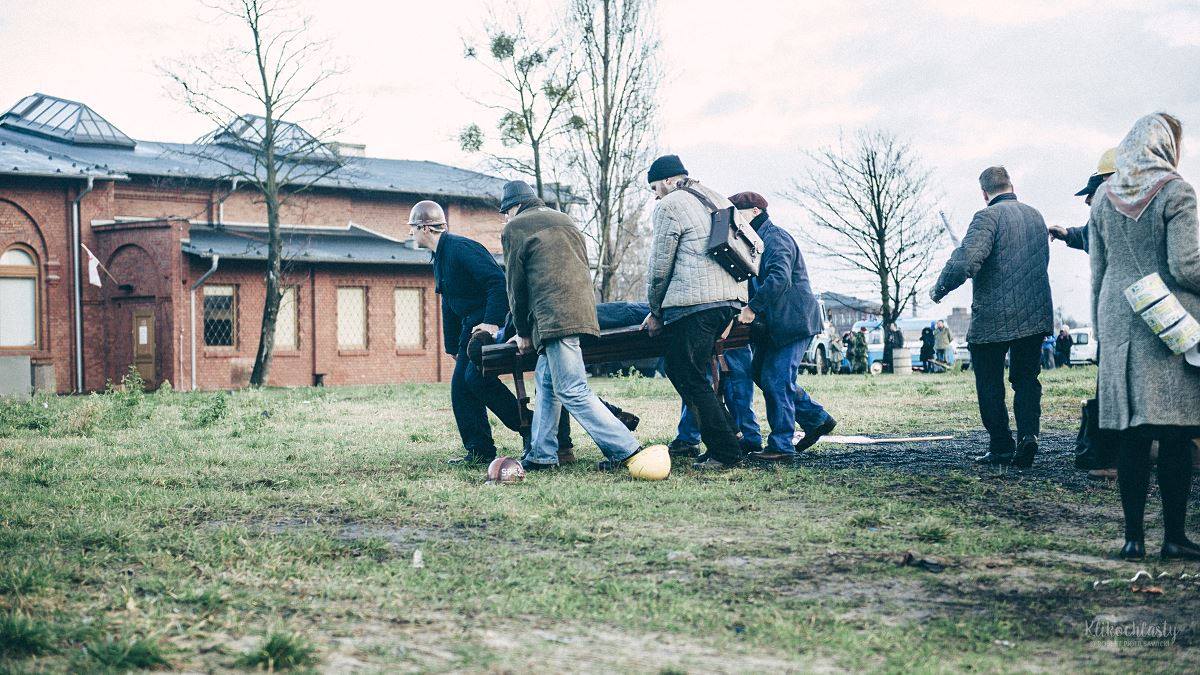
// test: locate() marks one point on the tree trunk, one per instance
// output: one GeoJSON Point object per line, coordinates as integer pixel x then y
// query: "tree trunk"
{"type": "Point", "coordinates": [266, 337]}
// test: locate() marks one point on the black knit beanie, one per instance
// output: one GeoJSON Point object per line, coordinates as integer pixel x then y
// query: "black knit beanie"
{"type": "Point", "coordinates": [665, 167]}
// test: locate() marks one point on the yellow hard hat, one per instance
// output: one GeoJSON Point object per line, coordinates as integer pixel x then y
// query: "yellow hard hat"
{"type": "Point", "coordinates": [1108, 162]}
{"type": "Point", "coordinates": [652, 463]}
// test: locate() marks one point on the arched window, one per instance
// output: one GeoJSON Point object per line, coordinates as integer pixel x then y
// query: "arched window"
{"type": "Point", "coordinates": [18, 299]}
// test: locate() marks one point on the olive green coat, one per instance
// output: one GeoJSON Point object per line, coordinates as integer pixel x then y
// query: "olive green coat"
{"type": "Point", "coordinates": [549, 287]}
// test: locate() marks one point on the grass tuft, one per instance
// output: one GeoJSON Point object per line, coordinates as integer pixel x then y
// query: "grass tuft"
{"type": "Point", "coordinates": [22, 580]}
{"type": "Point", "coordinates": [21, 636]}
{"type": "Point", "coordinates": [281, 651]}
{"type": "Point", "coordinates": [932, 531]}
{"type": "Point", "coordinates": [118, 654]}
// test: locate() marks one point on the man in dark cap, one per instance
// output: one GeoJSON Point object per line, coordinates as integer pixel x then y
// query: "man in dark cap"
{"type": "Point", "coordinates": [471, 284]}
{"type": "Point", "coordinates": [1077, 237]}
{"type": "Point", "coordinates": [784, 316]}
{"type": "Point", "coordinates": [693, 299]}
{"type": "Point", "coordinates": [553, 305]}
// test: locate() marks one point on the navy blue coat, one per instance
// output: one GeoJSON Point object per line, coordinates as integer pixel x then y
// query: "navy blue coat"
{"type": "Point", "coordinates": [471, 284]}
{"type": "Point", "coordinates": [780, 295]}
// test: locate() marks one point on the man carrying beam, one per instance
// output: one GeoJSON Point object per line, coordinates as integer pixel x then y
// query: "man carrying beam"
{"type": "Point", "coordinates": [550, 293]}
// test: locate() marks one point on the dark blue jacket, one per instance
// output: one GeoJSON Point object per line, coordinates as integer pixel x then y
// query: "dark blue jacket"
{"type": "Point", "coordinates": [780, 295]}
{"type": "Point", "coordinates": [471, 284]}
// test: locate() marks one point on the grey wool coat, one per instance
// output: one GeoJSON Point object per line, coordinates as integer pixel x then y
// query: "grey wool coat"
{"type": "Point", "coordinates": [1006, 253]}
{"type": "Point", "coordinates": [1141, 381]}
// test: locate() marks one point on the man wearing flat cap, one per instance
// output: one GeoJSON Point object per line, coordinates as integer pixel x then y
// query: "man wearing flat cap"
{"type": "Point", "coordinates": [693, 300]}
{"type": "Point", "coordinates": [553, 305]}
{"type": "Point", "coordinates": [784, 316]}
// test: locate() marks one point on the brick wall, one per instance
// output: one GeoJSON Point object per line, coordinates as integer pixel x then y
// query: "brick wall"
{"type": "Point", "coordinates": [36, 212]}
{"type": "Point", "coordinates": [317, 352]}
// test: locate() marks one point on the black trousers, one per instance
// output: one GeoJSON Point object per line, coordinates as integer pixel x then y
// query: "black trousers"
{"type": "Point", "coordinates": [1174, 478]}
{"type": "Point", "coordinates": [1025, 365]}
{"type": "Point", "coordinates": [472, 395]}
{"type": "Point", "coordinates": [690, 343]}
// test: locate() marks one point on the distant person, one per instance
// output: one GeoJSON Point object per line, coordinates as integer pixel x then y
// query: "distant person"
{"type": "Point", "coordinates": [892, 338]}
{"type": "Point", "coordinates": [927, 341]}
{"type": "Point", "coordinates": [1048, 353]}
{"type": "Point", "coordinates": [1062, 348]}
{"type": "Point", "coordinates": [1005, 252]}
{"type": "Point", "coordinates": [943, 341]}
{"type": "Point", "coordinates": [847, 339]}
{"type": "Point", "coordinates": [859, 358]}
{"type": "Point", "coordinates": [1077, 237]}
{"type": "Point", "coordinates": [1143, 222]}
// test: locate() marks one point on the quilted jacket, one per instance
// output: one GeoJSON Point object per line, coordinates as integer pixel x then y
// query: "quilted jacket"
{"type": "Point", "coordinates": [1005, 253]}
{"type": "Point", "coordinates": [681, 273]}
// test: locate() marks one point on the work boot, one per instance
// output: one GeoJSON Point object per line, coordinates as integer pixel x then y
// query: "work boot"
{"type": "Point", "coordinates": [811, 437]}
{"type": "Point", "coordinates": [536, 466]}
{"type": "Point", "coordinates": [474, 457]}
{"type": "Point", "coordinates": [678, 448]}
{"type": "Point", "coordinates": [1026, 449]}
{"type": "Point", "coordinates": [1180, 550]}
{"type": "Point", "coordinates": [1000, 452]}
{"type": "Point", "coordinates": [1134, 549]}
{"type": "Point", "coordinates": [566, 455]}
{"type": "Point", "coordinates": [707, 462]}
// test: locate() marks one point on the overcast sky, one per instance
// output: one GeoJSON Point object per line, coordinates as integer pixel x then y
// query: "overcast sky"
{"type": "Point", "coordinates": [1040, 87]}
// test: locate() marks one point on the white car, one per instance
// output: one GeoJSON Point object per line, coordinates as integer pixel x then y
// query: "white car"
{"type": "Point", "coordinates": [1083, 346]}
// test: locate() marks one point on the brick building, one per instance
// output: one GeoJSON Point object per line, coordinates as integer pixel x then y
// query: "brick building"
{"type": "Point", "coordinates": [185, 246]}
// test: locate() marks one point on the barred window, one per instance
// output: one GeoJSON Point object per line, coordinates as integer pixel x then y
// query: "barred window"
{"type": "Point", "coordinates": [410, 318]}
{"type": "Point", "coordinates": [286, 336]}
{"type": "Point", "coordinates": [220, 316]}
{"type": "Point", "coordinates": [352, 317]}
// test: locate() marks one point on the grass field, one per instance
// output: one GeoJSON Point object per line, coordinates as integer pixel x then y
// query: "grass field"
{"type": "Point", "coordinates": [281, 528]}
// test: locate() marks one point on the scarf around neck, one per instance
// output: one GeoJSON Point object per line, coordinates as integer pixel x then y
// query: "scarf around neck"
{"type": "Point", "coordinates": [1146, 162]}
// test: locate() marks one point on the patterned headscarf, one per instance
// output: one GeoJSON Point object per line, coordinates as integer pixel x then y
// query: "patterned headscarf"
{"type": "Point", "coordinates": [1146, 161]}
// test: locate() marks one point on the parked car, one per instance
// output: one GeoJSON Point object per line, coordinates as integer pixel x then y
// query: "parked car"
{"type": "Point", "coordinates": [818, 356]}
{"type": "Point", "coordinates": [1083, 346]}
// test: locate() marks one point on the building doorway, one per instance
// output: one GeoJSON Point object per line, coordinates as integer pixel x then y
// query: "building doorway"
{"type": "Point", "coordinates": [133, 341]}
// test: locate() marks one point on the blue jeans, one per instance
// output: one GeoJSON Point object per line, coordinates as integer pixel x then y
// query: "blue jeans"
{"type": "Point", "coordinates": [774, 370]}
{"type": "Point", "coordinates": [562, 382]}
{"type": "Point", "coordinates": [738, 389]}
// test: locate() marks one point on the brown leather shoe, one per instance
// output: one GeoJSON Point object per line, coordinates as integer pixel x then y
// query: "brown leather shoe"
{"type": "Point", "coordinates": [566, 455]}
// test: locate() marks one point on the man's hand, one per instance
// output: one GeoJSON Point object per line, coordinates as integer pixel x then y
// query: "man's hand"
{"type": "Point", "coordinates": [652, 324]}
{"type": "Point", "coordinates": [933, 295]}
{"type": "Point", "coordinates": [747, 315]}
{"type": "Point", "coordinates": [523, 344]}
{"type": "Point", "coordinates": [1058, 232]}
{"type": "Point", "coordinates": [491, 328]}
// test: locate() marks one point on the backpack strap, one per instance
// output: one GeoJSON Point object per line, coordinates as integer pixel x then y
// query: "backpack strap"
{"type": "Point", "coordinates": [712, 208]}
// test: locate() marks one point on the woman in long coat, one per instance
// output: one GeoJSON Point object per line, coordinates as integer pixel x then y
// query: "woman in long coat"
{"type": "Point", "coordinates": [1146, 222]}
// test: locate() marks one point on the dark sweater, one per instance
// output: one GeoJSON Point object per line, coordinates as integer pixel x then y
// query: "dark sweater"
{"type": "Point", "coordinates": [471, 284]}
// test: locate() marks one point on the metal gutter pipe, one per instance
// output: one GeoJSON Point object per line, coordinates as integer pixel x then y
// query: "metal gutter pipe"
{"type": "Point", "coordinates": [216, 260]}
{"type": "Point", "coordinates": [77, 242]}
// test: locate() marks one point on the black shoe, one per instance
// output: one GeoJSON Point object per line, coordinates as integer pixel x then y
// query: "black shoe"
{"type": "Point", "coordinates": [1180, 550]}
{"type": "Point", "coordinates": [678, 448]}
{"type": "Point", "coordinates": [630, 420]}
{"type": "Point", "coordinates": [770, 456]}
{"type": "Point", "coordinates": [1134, 549]}
{"type": "Point", "coordinates": [536, 466]}
{"type": "Point", "coordinates": [811, 437]}
{"type": "Point", "coordinates": [474, 457]}
{"type": "Point", "coordinates": [713, 464]}
{"type": "Point", "coordinates": [1026, 449]}
{"type": "Point", "coordinates": [996, 458]}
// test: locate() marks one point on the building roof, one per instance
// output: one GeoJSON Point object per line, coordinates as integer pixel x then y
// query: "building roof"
{"type": "Point", "coordinates": [60, 119]}
{"type": "Point", "coordinates": [211, 158]}
{"type": "Point", "coordinates": [836, 300]}
{"type": "Point", "coordinates": [352, 244]}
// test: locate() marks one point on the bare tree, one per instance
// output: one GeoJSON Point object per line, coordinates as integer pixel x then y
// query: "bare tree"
{"type": "Point", "coordinates": [615, 116]}
{"type": "Point", "coordinates": [274, 67]}
{"type": "Point", "coordinates": [537, 77]}
{"type": "Point", "coordinates": [870, 198]}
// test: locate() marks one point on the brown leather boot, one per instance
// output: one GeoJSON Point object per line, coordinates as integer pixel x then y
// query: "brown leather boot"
{"type": "Point", "coordinates": [566, 455]}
